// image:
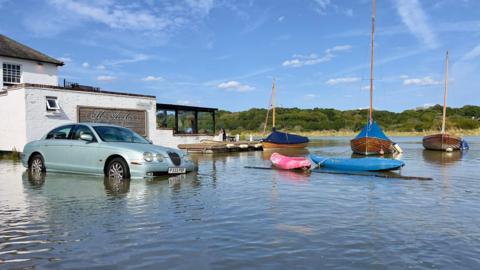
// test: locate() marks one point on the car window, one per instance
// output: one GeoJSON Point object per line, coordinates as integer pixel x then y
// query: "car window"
{"type": "Point", "coordinates": [118, 134]}
{"type": "Point", "coordinates": [60, 133]}
{"type": "Point", "coordinates": [79, 130]}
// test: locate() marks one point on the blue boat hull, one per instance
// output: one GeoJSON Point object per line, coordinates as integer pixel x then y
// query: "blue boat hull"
{"type": "Point", "coordinates": [358, 164]}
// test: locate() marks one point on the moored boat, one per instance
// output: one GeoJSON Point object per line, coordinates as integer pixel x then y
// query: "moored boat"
{"type": "Point", "coordinates": [444, 141]}
{"type": "Point", "coordinates": [371, 140]}
{"type": "Point", "coordinates": [278, 139]}
{"type": "Point", "coordinates": [289, 163]}
{"type": "Point", "coordinates": [358, 164]}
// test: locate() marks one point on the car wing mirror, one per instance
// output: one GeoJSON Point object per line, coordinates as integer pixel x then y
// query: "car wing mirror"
{"type": "Point", "coordinates": [86, 137]}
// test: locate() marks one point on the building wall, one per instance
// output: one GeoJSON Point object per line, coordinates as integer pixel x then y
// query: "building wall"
{"type": "Point", "coordinates": [28, 118]}
{"type": "Point", "coordinates": [40, 121]}
{"type": "Point", "coordinates": [12, 120]}
{"type": "Point", "coordinates": [165, 137]}
{"type": "Point", "coordinates": [32, 72]}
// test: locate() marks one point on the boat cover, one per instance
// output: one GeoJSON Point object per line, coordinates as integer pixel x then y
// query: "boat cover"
{"type": "Point", "coordinates": [372, 130]}
{"type": "Point", "coordinates": [357, 164]}
{"type": "Point", "coordinates": [285, 138]}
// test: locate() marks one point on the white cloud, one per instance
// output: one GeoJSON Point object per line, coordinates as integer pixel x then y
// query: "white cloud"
{"type": "Point", "coordinates": [152, 78]}
{"type": "Point", "coordinates": [106, 78]}
{"type": "Point", "coordinates": [65, 59]}
{"type": "Point", "coordinates": [280, 19]}
{"type": "Point", "coordinates": [299, 60]}
{"type": "Point", "coordinates": [416, 21]}
{"type": "Point", "coordinates": [472, 54]}
{"type": "Point", "coordinates": [85, 64]}
{"type": "Point", "coordinates": [234, 85]}
{"type": "Point", "coordinates": [321, 6]}
{"type": "Point", "coordinates": [184, 102]}
{"type": "Point", "coordinates": [342, 80]}
{"type": "Point", "coordinates": [366, 87]}
{"type": "Point", "coordinates": [158, 20]}
{"type": "Point", "coordinates": [100, 67]}
{"type": "Point", "coordinates": [425, 81]}
{"type": "Point", "coordinates": [133, 59]}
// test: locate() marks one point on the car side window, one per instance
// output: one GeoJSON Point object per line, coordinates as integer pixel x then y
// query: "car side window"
{"type": "Point", "coordinates": [79, 130]}
{"type": "Point", "coordinates": [60, 133]}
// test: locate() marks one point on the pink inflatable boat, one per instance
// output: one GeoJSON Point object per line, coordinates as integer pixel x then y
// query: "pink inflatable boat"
{"type": "Point", "coordinates": [289, 163]}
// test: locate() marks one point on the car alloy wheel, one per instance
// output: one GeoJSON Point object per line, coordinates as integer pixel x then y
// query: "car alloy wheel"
{"type": "Point", "coordinates": [118, 169]}
{"type": "Point", "coordinates": [36, 165]}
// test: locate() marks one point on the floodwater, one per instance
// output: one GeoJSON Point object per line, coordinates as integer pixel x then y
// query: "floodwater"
{"type": "Point", "coordinates": [228, 217]}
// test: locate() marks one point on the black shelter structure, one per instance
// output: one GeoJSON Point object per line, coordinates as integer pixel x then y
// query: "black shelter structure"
{"type": "Point", "coordinates": [186, 120]}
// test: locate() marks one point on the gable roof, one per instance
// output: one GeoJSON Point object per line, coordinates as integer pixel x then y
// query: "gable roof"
{"type": "Point", "coordinates": [11, 48]}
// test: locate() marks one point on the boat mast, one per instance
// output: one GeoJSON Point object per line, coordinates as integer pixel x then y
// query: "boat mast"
{"type": "Point", "coordinates": [371, 60]}
{"type": "Point", "coordinates": [445, 94]}
{"type": "Point", "coordinates": [273, 104]}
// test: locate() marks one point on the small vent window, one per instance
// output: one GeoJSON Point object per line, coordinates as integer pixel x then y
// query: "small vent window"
{"type": "Point", "coordinates": [11, 73]}
{"type": "Point", "coordinates": [52, 104]}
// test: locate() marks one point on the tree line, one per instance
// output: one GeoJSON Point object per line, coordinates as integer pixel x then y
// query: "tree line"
{"type": "Point", "coordinates": [318, 119]}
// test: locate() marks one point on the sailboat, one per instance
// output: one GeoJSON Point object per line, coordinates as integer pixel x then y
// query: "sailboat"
{"type": "Point", "coordinates": [278, 139]}
{"type": "Point", "coordinates": [371, 140]}
{"type": "Point", "coordinates": [443, 141]}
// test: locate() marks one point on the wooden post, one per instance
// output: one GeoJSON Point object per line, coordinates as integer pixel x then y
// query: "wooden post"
{"type": "Point", "coordinates": [176, 122]}
{"type": "Point", "coordinates": [214, 124]}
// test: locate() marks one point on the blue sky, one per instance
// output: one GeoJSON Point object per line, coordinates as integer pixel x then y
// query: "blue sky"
{"type": "Point", "coordinates": [224, 54]}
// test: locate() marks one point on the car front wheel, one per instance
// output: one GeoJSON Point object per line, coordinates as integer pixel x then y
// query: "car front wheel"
{"type": "Point", "coordinates": [37, 164]}
{"type": "Point", "coordinates": [118, 168]}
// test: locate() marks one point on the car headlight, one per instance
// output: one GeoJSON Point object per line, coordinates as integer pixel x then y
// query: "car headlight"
{"type": "Point", "coordinates": [147, 156]}
{"type": "Point", "coordinates": [159, 158]}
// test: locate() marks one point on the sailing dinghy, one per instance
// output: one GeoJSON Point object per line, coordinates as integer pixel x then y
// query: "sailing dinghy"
{"type": "Point", "coordinates": [357, 164]}
{"type": "Point", "coordinates": [444, 141]}
{"type": "Point", "coordinates": [289, 163]}
{"type": "Point", "coordinates": [371, 140]}
{"type": "Point", "coordinates": [278, 139]}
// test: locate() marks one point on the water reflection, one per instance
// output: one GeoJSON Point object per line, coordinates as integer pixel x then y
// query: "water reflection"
{"type": "Point", "coordinates": [441, 157]}
{"type": "Point", "coordinates": [116, 186]}
{"type": "Point", "coordinates": [291, 152]}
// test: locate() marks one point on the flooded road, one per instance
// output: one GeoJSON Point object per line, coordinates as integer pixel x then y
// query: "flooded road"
{"type": "Point", "coordinates": [228, 217]}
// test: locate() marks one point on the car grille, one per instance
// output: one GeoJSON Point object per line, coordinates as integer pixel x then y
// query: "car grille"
{"type": "Point", "coordinates": [175, 158]}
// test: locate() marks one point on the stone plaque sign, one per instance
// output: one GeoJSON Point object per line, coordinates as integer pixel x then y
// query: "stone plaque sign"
{"type": "Point", "coordinates": [135, 120]}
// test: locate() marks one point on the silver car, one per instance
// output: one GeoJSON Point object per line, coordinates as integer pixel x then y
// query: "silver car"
{"type": "Point", "coordinates": [103, 149]}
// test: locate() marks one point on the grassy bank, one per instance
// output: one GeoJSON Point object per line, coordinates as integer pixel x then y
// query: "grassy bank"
{"type": "Point", "coordinates": [350, 133]}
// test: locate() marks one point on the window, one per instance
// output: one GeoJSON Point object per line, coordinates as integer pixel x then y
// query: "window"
{"type": "Point", "coordinates": [82, 130]}
{"type": "Point", "coordinates": [60, 133]}
{"type": "Point", "coordinates": [117, 134]}
{"type": "Point", "coordinates": [52, 104]}
{"type": "Point", "coordinates": [206, 124]}
{"type": "Point", "coordinates": [166, 119]}
{"type": "Point", "coordinates": [186, 122]}
{"type": "Point", "coordinates": [11, 73]}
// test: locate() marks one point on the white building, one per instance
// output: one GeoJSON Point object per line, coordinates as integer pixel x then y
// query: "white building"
{"type": "Point", "coordinates": [32, 103]}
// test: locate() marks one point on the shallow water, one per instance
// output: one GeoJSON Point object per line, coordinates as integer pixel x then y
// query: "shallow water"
{"type": "Point", "coordinates": [227, 217]}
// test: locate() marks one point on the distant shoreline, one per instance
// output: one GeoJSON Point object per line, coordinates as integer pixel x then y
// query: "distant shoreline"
{"type": "Point", "coordinates": [349, 133]}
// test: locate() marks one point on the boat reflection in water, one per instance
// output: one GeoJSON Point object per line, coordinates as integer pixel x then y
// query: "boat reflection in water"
{"type": "Point", "coordinates": [442, 158]}
{"type": "Point", "coordinates": [291, 152]}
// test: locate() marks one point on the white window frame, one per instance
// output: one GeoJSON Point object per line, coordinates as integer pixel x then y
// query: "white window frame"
{"type": "Point", "coordinates": [20, 76]}
{"type": "Point", "coordinates": [52, 108]}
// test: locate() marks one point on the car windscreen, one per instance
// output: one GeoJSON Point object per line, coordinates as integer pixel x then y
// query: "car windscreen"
{"type": "Point", "coordinates": [117, 134]}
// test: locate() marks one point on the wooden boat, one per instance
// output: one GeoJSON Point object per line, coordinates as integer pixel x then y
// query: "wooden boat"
{"type": "Point", "coordinates": [278, 139]}
{"type": "Point", "coordinates": [289, 163]}
{"type": "Point", "coordinates": [371, 140]}
{"type": "Point", "coordinates": [357, 164]}
{"type": "Point", "coordinates": [443, 141]}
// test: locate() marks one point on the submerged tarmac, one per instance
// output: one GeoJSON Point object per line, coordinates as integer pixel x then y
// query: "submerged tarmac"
{"type": "Point", "coordinates": [228, 217]}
